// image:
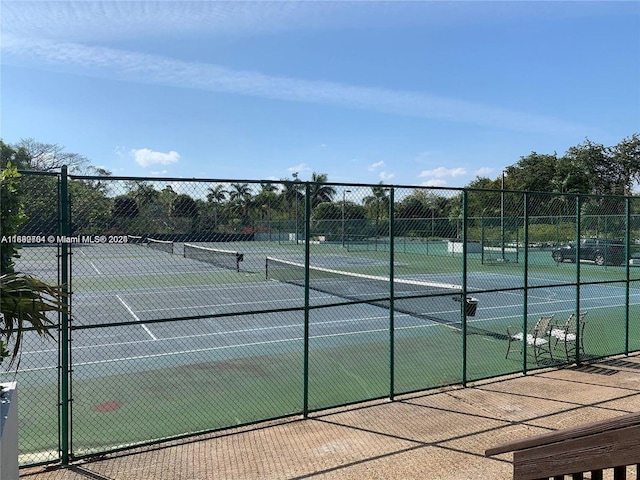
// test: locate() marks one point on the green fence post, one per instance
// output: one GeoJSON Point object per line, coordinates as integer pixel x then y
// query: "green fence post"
{"type": "Point", "coordinates": [463, 300]}
{"type": "Point", "coordinates": [65, 275]}
{"type": "Point", "coordinates": [627, 241]}
{"type": "Point", "coordinates": [578, 232]}
{"type": "Point", "coordinates": [482, 238]}
{"type": "Point", "coordinates": [307, 257]}
{"type": "Point", "coordinates": [391, 298]}
{"type": "Point", "coordinates": [525, 299]}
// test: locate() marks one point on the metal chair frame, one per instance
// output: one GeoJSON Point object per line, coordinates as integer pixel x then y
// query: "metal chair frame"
{"type": "Point", "coordinates": [539, 338]}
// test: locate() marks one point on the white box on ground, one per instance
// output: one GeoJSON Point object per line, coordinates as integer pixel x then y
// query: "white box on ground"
{"type": "Point", "coordinates": [456, 247]}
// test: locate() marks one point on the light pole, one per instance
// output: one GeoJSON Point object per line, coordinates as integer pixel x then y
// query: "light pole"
{"type": "Point", "coordinates": [295, 190]}
{"type": "Point", "coordinates": [344, 192]}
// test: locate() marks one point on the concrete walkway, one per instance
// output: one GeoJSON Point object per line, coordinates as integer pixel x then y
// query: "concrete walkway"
{"type": "Point", "coordinates": [435, 435]}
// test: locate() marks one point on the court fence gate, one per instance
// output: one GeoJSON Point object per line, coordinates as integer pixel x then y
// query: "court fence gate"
{"type": "Point", "coordinates": [199, 305]}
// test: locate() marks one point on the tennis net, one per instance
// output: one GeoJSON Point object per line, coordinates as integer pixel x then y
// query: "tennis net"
{"type": "Point", "coordinates": [163, 245]}
{"type": "Point", "coordinates": [426, 300]}
{"type": "Point", "coordinates": [220, 258]}
{"type": "Point", "coordinates": [137, 239]}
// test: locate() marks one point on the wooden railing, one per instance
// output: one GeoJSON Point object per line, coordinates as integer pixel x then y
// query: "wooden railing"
{"type": "Point", "coordinates": [595, 447]}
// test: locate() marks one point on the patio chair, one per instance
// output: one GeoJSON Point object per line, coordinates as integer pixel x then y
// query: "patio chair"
{"type": "Point", "coordinates": [565, 334]}
{"type": "Point", "coordinates": [538, 338]}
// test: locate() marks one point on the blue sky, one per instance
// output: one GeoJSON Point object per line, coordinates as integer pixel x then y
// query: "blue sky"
{"type": "Point", "coordinates": [408, 93]}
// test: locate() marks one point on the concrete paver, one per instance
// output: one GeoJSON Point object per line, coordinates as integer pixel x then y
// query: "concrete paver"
{"type": "Point", "coordinates": [437, 435]}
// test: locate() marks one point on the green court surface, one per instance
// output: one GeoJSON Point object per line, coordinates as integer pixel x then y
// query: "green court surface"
{"type": "Point", "coordinates": [165, 346]}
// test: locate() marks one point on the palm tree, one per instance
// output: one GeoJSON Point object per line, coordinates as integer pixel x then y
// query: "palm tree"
{"type": "Point", "coordinates": [320, 193]}
{"type": "Point", "coordinates": [265, 200]}
{"type": "Point", "coordinates": [241, 193]}
{"type": "Point", "coordinates": [292, 195]}
{"type": "Point", "coordinates": [268, 187]}
{"type": "Point", "coordinates": [215, 196]}
{"type": "Point", "coordinates": [378, 201]}
{"type": "Point", "coordinates": [241, 196]}
{"type": "Point", "coordinates": [291, 191]}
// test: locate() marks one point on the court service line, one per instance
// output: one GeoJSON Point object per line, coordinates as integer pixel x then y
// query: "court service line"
{"type": "Point", "coordinates": [237, 345]}
{"type": "Point", "coordinates": [135, 317]}
{"type": "Point", "coordinates": [286, 301]}
{"type": "Point", "coordinates": [256, 329]}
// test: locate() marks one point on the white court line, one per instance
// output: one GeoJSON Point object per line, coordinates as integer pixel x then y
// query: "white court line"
{"type": "Point", "coordinates": [243, 330]}
{"type": "Point", "coordinates": [281, 327]}
{"type": "Point", "coordinates": [287, 301]}
{"type": "Point", "coordinates": [91, 263]}
{"type": "Point", "coordinates": [216, 287]}
{"type": "Point", "coordinates": [240, 345]}
{"type": "Point", "coordinates": [146, 329]}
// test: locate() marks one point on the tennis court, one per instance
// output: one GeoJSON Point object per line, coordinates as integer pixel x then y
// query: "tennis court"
{"type": "Point", "coordinates": [209, 313]}
{"type": "Point", "coordinates": [169, 286]}
{"type": "Point", "coordinates": [151, 328]}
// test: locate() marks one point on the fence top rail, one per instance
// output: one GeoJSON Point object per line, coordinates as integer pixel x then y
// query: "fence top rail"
{"type": "Point", "coordinates": [617, 423]}
{"type": "Point", "coordinates": [38, 173]}
{"type": "Point", "coordinates": [75, 176]}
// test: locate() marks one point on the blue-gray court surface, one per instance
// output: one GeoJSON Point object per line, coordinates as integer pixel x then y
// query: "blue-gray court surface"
{"type": "Point", "coordinates": [115, 284]}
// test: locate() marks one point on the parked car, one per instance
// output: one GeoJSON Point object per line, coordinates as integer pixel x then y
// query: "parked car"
{"type": "Point", "coordinates": [597, 250]}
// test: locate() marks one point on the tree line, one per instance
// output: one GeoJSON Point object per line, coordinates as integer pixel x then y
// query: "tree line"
{"type": "Point", "coordinates": [587, 168]}
{"type": "Point", "coordinates": [144, 206]}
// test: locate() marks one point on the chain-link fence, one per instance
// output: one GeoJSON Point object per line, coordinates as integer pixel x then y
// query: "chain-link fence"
{"type": "Point", "coordinates": [201, 305]}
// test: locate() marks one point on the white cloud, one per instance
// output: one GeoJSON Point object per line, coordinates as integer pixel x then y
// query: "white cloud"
{"type": "Point", "coordinates": [386, 176]}
{"type": "Point", "coordinates": [205, 18]}
{"type": "Point", "coordinates": [484, 171]}
{"type": "Point", "coordinates": [123, 65]}
{"type": "Point", "coordinates": [376, 165]}
{"type": "Point", "coordinates": [443, 172]}
{"type": "Point", "coordinates": [145, 157]}
{"type": "Point", "coordinates": [434, 183]}
{"type": "Point", "coordinates": [298, 169]}
{"type": "Point", "coordinates": [91, 20]}
{"type": "Point", "coordinates": [120, 151]}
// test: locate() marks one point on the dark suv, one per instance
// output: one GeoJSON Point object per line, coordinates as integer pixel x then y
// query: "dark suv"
{"type": "Point", "coordinates": [596, 250]}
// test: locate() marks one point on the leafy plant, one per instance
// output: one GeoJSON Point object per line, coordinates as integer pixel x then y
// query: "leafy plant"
{"type": "Point", "coordinates": [12, 215]}
{"type": "Point", "coordinates": [24, 304]}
